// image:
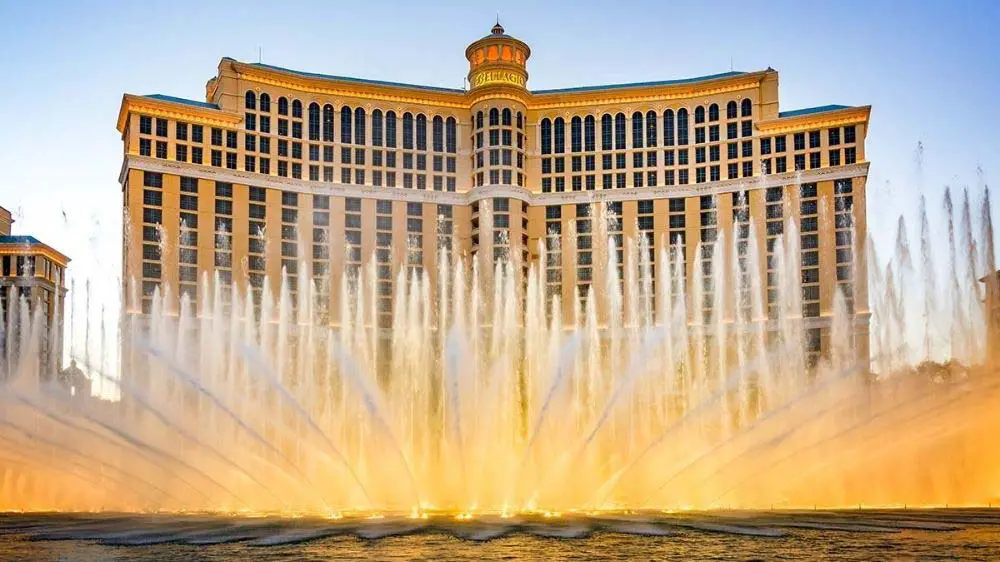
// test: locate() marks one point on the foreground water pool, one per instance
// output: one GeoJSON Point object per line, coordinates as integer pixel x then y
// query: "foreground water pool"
{"type": "Point", "coordinates": [967, 534]}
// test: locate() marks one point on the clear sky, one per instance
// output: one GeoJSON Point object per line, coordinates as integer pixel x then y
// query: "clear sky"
{"type": "Point", "coordinates": [930, 70]}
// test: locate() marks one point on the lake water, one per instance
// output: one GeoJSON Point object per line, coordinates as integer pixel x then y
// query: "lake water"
{"type": "Point", "coordinates": [945, 534]}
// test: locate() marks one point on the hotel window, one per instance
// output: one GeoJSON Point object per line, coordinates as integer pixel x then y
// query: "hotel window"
{"type": "Point", "coordinates": [682, 127]}
{"type": "Point", "coordinates": [699, 155]}
{"type": "Point", "coordinates": [713, 154]}
{"type": "Point", "coordinates": [699, 175]}
{"type": "Point", "coordinates": [576, 135]}
{"type": "Point", "coordinates": [359, 126]}
{"type": "Point", "coordinates": [421, 132]}
{"type": "Point", "coordinates": [747, 169]}
{"type": "Point", "coordinates": [668, 157]}
{"type": "Point", "coordinates": [731, 131]}
{"type": "Point", "coordinates": [346, 116]}
{"type": "Point", "coordinates": [231, 139]}
{"type": "Point", "coordinates": [377, 127]}
{"type": "Point", "coordinates": [699, 115]}
{"type": "Point", "coordinates": [607, 133]}
{"type": "Point", "coordinates": [451, 135]}
{"type": "Point", "coordinates": [161, 149]}
{"type": "Point", "coordinates": [850, 134]}
{"type": "Point", "coordinates": [181, 131]}
{"type": "Point", "coordinates": [161, 127]}
{"type": "Point", "coordinates": [765, 146]}
{"type": "Point", "coordinates": [713, 133]}
{"type": "Point", "coordinates": [282, 127]}
{"type": "Point", "coordinates": [800, 161]}
{"type": "Point", "coordinates": [668, 127]}
{"type": "Point", "coordinates": [835, 157]}
{"type": "Point", "coordinates": [779, 144]}
{"type": "Point", "coordinates": [746, 107]}
{"type": "Point", "coordinates": [314, 121]}
{"type": "Point", "coordinates": [251, 100]}
{"type": "Point", "coordinates": [637, 130]}
{"type": "Point", "coordinates": [145, 147]}
{"type": "Point", "coordinates": [733, 171]}
{"type": "Point", "coordinates": [651, 129]}
{"type": "Point", "coordinates": [265, 165]}
{"type": "Point", "coordinates": [250, 121]}
{"type": "Point", "coordinates": [197, 133]}
{"type": "Point", "coordinates": [713, 112]}
{"type": "Point", "coordinates": [814, 160]}
{"type": "Point", "coordinates": [814, 139]}
{"type": "Point", "coordinates": [747, 149]}
{"type": "Point", "coordinates": [437, 134]}
{"type": "Point", "coordinates": [850, 155]}
{"type": "Point", "coordinates": [833, 137]}
{"type": "Point", "coordinates": [265, 145]}
{"type": "Point", "coordinates": [407, 131]}
{"type": "Point", "coordinates": [731, 110]}
{"type": "Point", "coordinates": [780, 165]}
{"type": "Point", "coordinates": [747, 128]}
{"type": "Point", "coordinates": [682, 157]}
{"type": "Point", "coordinates": [145, 125]}
{"type": "Point", "coordinates": [282, 106]}
{"type": "Point", "coordinates": [180, 153]}
{"type": "Point", "coordinates": [620, 131]}
{"type": "Point", "coordinates": [800, 141]}
{"type": "Point", "coordinates": [559, 134]}
{"type": "Point", "coordinates": [390, 129]}
{"type": "Point", "coordinates": [699, 135]}
{"type": "Point", "coordinates": [297, 109]}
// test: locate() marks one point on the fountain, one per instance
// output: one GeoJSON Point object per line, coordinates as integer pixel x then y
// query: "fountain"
{"type": "Point", "coordinates": [484, 399]}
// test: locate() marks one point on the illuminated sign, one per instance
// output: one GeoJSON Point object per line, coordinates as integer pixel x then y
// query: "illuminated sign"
{"type": "Point", "coordinates": [497, 77]}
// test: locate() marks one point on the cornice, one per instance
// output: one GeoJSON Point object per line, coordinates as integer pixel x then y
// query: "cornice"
{"type": "Point", "coordinates": [35, 249]}
{"type": "Point", "coordinates": [343, 88]}
{"type": "Point", "coordinates": [645, 94]}
{"type": "Point", "coordinates": [134, 162]}
{"type": "Point", "coordinates": [173, 110]}
{"type": "Point", "coordinates": [834, 118]}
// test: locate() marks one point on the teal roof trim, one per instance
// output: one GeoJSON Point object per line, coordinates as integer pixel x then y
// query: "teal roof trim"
{"type": "Point", "coordinates": [812, 110]}
{"type": "Point", "coordinates": [359, 80]}
{"type": "Point", "coordinates": [183, 101]}
{"type": "Point", "coordinates": [640, 84]}
{"type": "Point", "coordinates": [20, 240]}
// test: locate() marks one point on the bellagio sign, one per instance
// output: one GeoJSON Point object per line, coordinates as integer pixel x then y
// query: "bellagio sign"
{"type": "Point", "coordinates": [497, 77]}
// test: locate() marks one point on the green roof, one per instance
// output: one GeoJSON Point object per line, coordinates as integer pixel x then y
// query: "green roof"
{"type": "Point", "coordinates": [163, 97]}
{"type": "Point", "coordinates": [811, 110]}
{"type": "Point", "coordinates": [358, 80]}
{"type": "Point", "coordinates": [640, 84]}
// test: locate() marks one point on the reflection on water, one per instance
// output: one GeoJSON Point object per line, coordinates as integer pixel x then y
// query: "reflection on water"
{"type": "Point", "coordinates": [844, 535]}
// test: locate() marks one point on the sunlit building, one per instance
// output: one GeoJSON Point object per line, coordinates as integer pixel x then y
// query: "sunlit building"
{"type": "Point", "coordinates": [316, 174]}
{"type": "Point", "coordinates": [992, 308]}
{"type": "Point", "coordinates": [33, 274]}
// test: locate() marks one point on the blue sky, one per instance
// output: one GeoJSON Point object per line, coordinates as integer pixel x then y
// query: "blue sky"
{"type": "Point", "coordinates": [931, 71]}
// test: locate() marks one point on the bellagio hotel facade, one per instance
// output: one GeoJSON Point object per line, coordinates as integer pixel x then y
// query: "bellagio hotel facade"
{"type": "Point", "coordinates": [358, 169]}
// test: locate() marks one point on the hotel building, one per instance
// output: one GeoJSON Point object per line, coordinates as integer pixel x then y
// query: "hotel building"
{"type": "Point", "coordinates": [34, 273]}
{"type": "Point", "coordinates": [317, 174]}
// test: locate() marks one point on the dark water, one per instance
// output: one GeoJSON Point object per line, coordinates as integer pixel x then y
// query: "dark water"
{"type": "Point", "coordinates": [947, 534]}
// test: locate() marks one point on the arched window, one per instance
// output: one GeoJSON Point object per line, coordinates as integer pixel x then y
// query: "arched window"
{"type": "Point", "coordinates": [328, 123]}
{"type": "Point", "coordinates": [494, 117]}
{"type": "Point", "coordinates": [651, 129]}
{"type": "Point", "coordinates": [377, 127]}
{"type": "Point", "coordinates": [505, 117]}
{"type": "Point", "coordinates": [282, 106]}
{"type": "Point", "coordinates": [346, 115]}
{"type": "Point", "coordinates": [588, 134]}
{"type": "Point", "coordinates": [520, 120]}
{"type": "Point", "coordinates": [359, 126]}
{"type": "Point", "coordinates": [576, 134]}
{"type": "Point", "coordinates": [731, 110]}
{"type": "Point", "coordinates": [699, 115]}
{"type": "Point", "coordinates": [546, 136]}
{"type": "Point", "coordinates": [408, 131]}
{"type": "Point", "coordinates": [451, 135]}
{"type": "Point", "coordinates": [265, 103]}
{"type": "Point", "coordinates": [390, 129]}
{"type": "Point", "coordinates": [437, 134]}
{"type": "Point", "coordinates": [713, 112]}
{"type": "Point", "coordinates": [682, 126]}
{"type": "Point", "coordinates": [314, 121]}
{"type": "Point", "coordinates": [251, 100]}
{"type": "Point", "coordinates": [479, 120]}
{"type": "Point", "coordinates": [637, 129]}
{"type": "Point", "coordinates": [559, 135]}
{"type": "Point", "coordinates": [421, 132]}
{"type": "Point", "coordinates": [746, 107]}
{"type": "Point", "coordinates": [606, 132]}
{"type": "Point", "coordinates": [297, 109]}
{"type": "Point", "coordinates": [668, 127]}
{"type": "Point", "coordinates": [620, 131]}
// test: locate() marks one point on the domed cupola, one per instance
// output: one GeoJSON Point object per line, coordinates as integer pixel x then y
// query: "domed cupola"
{"type": "Point", "coordinates": [498, 60]}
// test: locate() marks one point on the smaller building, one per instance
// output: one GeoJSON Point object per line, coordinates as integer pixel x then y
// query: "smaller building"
{"type": "Point", "coordinates": [992, 307]}
{"type": "Point", "coordinates": [35, 272]}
